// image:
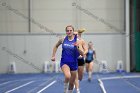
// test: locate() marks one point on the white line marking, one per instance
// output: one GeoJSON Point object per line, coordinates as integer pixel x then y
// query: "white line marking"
{"type": "Point", "coordinates": [131, 84]}
{"type": "Point", "coordinates": [5, 83]}
{"type": "Point", "coordinates": [124, 78]}
{"type": "Point", "coordinates": [119, 77]}
{"type": "Point", "coordinates": [37, 87]}
{"type": "Point", "coordinates": [19, 87]}
{"type": "Point", "coordinates": [47, 86]}
{"type": "Point", "coordinates": [102, 86]}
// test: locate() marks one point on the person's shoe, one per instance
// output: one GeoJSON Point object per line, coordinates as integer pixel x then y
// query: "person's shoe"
{"type": "Point", "coordinates": [78, 91]}
{"type": "Point", "coordinates": [66, 90]}
{"type": "Point", "coordinates": [89, 79]}
{"type": "Point", "coordinates": [74, 87]}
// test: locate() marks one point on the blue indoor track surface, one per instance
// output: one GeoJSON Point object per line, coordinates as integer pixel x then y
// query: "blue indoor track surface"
{"type": "Point", "coordinates": [53, 83]}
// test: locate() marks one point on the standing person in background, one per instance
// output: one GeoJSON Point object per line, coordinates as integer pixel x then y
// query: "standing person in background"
{"type": "Point", "coordinates": [70, 53]}
{"type": "Point", "coordinates": [91, 55]}
{"type": "Point", "coordinates": [81, 61]}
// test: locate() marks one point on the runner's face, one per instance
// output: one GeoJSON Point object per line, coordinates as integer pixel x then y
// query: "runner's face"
{"type": "Point", "coordinates": [90, 45]}
{"type": "Point", "coordinates": [69, 31]}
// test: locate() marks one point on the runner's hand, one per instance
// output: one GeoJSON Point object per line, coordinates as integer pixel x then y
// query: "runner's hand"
{"type": "Point", "coordinates": [53, 58]}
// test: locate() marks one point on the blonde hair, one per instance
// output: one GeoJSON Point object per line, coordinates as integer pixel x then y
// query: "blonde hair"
{"type": "Point", "coordinates": [81, 30]}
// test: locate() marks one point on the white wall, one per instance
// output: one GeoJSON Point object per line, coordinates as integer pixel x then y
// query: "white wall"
{"type": "Point", "coordinates": [39, 48]}
{"type": "Point", "coordinates": [12, 16]}
{"type": "Point", "coordinates": [55, 15]}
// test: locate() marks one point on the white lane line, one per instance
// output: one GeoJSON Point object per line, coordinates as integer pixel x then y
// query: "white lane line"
{"type": "Point", "coordinates": [14, 81]}
{"type": "Point", "coordinates": [120, 77]}
{"type": "Point", "coordinates": [47, 86]}
{"type": "Point", "coordinates": [19, 87]}
{"type": "Point", "coordinates": [102, 86]}
{"type": "Point", "coordinates": [5, 83]}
